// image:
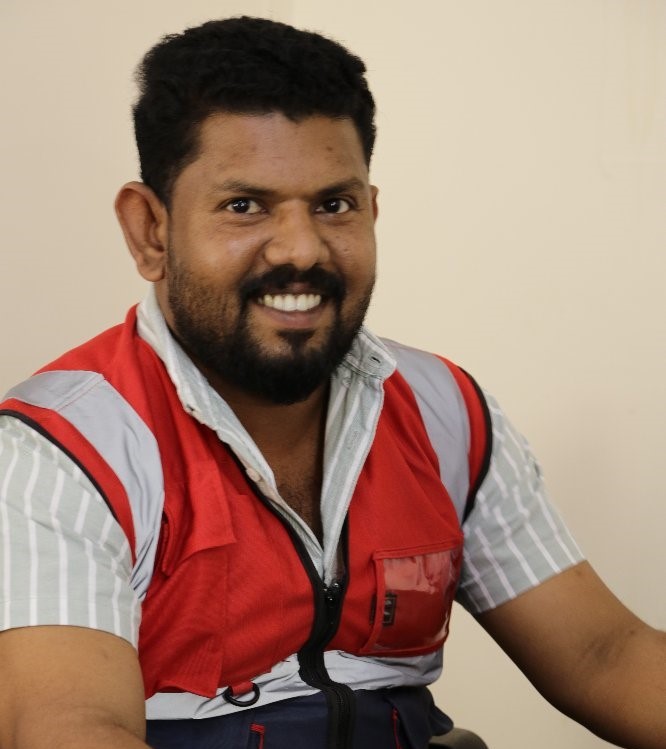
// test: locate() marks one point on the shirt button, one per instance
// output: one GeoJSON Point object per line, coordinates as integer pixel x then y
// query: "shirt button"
{"type": "Point", "coordinates": [253, 475]}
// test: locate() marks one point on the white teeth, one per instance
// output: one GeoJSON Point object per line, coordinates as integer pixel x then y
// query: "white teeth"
{"type": "Point", "coordinates": [291, 302]}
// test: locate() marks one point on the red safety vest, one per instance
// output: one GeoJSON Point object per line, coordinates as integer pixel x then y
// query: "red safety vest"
{"type": "Point", "coordinates": [232, 591]}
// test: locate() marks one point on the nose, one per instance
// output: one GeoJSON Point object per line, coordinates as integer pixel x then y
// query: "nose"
{"type": "Point", "coordinates": [296, 239]}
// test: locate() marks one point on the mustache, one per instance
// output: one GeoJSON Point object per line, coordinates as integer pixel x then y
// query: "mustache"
{"type": "Point", "coordinates": [319, 280]}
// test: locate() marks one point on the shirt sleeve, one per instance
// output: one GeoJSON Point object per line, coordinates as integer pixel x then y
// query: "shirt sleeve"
{"type": "Point", "coordinates": [64, 559]}
{"type": "Point", "coordinates": [514, 537]}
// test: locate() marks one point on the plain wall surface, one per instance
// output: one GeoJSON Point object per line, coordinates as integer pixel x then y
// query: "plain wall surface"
{"type": "Point", "coordinates": [521, 162]}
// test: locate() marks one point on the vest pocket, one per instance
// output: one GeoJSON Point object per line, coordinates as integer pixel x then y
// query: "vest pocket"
{"type": "Point", "coordinates": [184, 533]}
{"type": "Point", "coordinates": [412, 604]}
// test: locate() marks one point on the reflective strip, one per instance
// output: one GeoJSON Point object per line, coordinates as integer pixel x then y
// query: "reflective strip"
{"type": "Point", "coordinates": [118, 433]}
{"type": "Point", "coordinates": [283, 682]}
{"type": "Point", "coordinates": [444, 416]}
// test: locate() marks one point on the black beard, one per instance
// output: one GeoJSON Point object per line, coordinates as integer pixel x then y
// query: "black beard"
{"type": "Point", "coordinates": [238, 359]}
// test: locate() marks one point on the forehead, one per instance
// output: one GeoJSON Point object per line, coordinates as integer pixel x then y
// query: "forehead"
{"type": "Point", "coordinates": [273, 151]}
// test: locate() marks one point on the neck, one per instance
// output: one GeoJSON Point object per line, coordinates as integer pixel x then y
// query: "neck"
{"type": "Point", "coordinates": [291, 439]}
{"type": "Point", "coordinates": [276, 428]}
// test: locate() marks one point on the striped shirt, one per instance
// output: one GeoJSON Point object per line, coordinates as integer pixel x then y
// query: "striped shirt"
{"type": "Point", "coordinates": [65, 560]}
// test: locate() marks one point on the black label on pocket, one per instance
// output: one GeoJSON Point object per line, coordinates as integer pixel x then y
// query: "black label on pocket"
{"type": "Point", "coordinates": [390, 603]}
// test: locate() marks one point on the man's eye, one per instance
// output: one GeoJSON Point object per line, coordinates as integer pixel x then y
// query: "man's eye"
{"type": "Point", "coordinates": [243, 205]}
{"type": "Point", "coordinates": [335, 205]}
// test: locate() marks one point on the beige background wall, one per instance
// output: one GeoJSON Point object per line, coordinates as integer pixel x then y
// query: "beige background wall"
{"type": "Point", "coordinates": [522, 163]}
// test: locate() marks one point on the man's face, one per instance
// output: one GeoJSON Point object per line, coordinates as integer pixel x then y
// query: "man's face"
{"type": "Point", "coordinates": [271, 252]}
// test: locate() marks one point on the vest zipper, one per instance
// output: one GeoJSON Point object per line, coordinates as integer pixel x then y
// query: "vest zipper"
{"type": "Point", "coordinates": [328, 601]}
{"type": "Point", "coordinates": [339, 697]}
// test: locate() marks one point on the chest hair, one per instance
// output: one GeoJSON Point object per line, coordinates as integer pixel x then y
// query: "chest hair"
{"type": "Point", "coordinates": [301, 490]}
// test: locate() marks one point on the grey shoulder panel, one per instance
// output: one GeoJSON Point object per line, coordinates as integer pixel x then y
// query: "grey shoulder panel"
{"type": "Point", "coordinates": [97, 410]}
{"type": "Point", "coordinates": [444, 415]}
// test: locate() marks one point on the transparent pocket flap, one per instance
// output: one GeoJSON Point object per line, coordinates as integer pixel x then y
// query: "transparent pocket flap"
{"type": "Point", "coordinates": [415, 590]}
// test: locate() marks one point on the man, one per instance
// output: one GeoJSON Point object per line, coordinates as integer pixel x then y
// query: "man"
{"type": "Point", "coordinates": [243, 506]}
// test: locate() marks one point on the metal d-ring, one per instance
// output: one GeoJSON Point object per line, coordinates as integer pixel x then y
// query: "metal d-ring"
{"type": "Point", "coordinates": [229, 697]}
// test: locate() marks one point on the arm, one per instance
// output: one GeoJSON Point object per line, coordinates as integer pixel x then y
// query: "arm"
{"type": "Point", "coordinates": [588, 655]}
{"type": "Point", "coordinates": [69, 688]}
{"type": "Point", "coordinates": [65, 562]}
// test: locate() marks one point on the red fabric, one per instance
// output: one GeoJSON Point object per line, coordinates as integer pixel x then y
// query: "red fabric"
{"type": "Point", "coordinates": [261, 731]}
{"type": "Point", "coordinates": [396, 728]}
{"type": "Point", "coordinates": [238, 690]}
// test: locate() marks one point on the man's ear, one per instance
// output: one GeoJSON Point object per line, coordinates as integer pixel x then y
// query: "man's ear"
{"type": "Point", "coordinates": [374, 191]}
{"type": "Point", "coordinates": [145, 223]}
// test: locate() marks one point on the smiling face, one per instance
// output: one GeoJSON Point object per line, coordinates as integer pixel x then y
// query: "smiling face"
{"type": "Point", "coordinates": [270, 256]}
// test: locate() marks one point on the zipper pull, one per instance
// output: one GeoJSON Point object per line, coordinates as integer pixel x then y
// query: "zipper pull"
{"type": "Point", "coordinates": [332, 595]}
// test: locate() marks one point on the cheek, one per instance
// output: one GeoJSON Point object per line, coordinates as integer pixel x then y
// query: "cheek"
{"type": "Point", "coordinates": [210, 250]}
{"type": "Point", "coordinates": [215, 272]}
{"type": "Point", "coordinates": [359, 264]}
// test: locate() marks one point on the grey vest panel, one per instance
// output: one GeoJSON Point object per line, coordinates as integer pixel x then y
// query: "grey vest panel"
{"type": "Point", "coordinates": [116, 431]}
{"type": "Point", "coordinates": [444, 415]}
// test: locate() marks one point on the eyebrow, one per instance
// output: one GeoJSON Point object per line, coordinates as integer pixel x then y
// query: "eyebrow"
{"type": "Point", "coordinates": [348, 185]}
{"type": "Point", "coordinates": [352, 184]}
{"type": "Point", "coordinates": [238, 186]}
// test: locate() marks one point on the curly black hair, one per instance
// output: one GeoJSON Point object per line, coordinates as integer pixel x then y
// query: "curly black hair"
{"type": "Point", "coordinates": [244, 66]}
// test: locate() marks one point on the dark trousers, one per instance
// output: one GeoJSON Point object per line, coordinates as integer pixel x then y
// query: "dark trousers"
{"type": "Point", "coordinates": [402, 718]}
